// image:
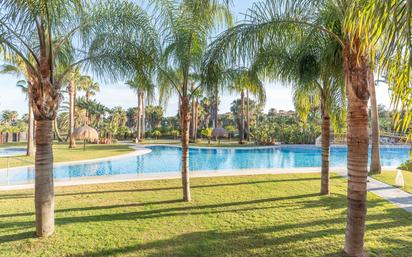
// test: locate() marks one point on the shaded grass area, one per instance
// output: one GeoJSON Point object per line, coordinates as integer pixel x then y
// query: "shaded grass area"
{"type": "Point", "coordinates": [201, 142]}
{"type": "Point", "coordinates": [62, 153]}
{"type": "Point", "coordinates": [265, 215]}
{"type": "Point", "coordinates": [388, 177]}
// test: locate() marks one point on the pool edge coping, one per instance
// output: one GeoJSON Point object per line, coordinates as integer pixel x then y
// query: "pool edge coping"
{"type": "Point", "coordinates": [92, 180]}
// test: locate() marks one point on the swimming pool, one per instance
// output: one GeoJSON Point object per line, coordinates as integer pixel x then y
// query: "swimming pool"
{"type": "Point", "coordinates": [12, 151]}
{"type": "Point", "coordinates": [164, 159]}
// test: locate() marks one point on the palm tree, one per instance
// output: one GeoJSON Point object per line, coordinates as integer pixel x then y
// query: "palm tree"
{"type": "Point", "coordinates": [241, 81]}
{"type": "Point", "coordinates": [375, 165]}
{"type": "Point", "coordinates": [19, 69]}
{"type": "Point", "coordinates": [143, 85]}
{"type": "Point", "coordinates": [74, 76]}
{"type": "Point", "coordinates": [88, 86]}
{"type": "Point", "coordinates": [42, 33]}
{"type": "Point", "coordinates": [270, 22]}
{"type": "Point", "coordinates": [313, 66]}
{"type": "Point", "coordinates": [187, 25]}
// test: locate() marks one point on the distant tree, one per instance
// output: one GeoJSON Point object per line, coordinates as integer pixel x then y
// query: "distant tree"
{"type": "Point", "coordinates": [231, 130]}
{"type": "Point", "coordinates": [154, 115]}
{"type": "Point", "coordinates": [208, 133]}
{"type": "Point", "coordinates": [156, 133]}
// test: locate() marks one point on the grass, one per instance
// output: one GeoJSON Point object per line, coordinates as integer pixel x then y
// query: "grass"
{"type": "Point", "coordinates": [201, 142]}
{"type": "Point", "coordinates": [265, 215]}
{"type": "Point", "coordinates": [388, 177]}
{"type": "Point", "coordinates": [63, 153]}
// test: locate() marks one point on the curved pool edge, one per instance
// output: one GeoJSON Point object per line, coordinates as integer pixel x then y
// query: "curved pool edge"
{"type": "Point", "coordinates": [218, 147]}
{"type": "Point", "coordinates": [138, 150]}
{"type": "Point", "coordinates": [93, 180]}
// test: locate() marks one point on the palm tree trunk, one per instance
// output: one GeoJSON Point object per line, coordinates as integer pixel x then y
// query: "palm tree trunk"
{"type": "Point", "coordinates": [193, 117]}
{"type": "Point", "coordinates": [72, 97]}
{"type": "Point", "coordinates": [356, 80]}
{"type": "Point", "coordinates": [324, 189]}
{"type": "Point", "coordinates": [139, 112]}
{"type": "Point", "coordinates": [196, 120]}
{"type": "Point", "coordinates": [242, 117]}
{"type": "Point", "coordinates": [216, 110]}
{"type": "Point", "coordinates": [30, 132]}
{"type": "Point", "coordinates": [56, 130]}
{"type": "Point", "coordinates": [44, 191]}
{"type": "Point", "coordinates": [247, 116]}
{"type": "Point", "coordinates": [375, 166]}
{"type": "Point", "coordinates": [185, 151]}
{"type": "Point", "coordinates": [143, 116]}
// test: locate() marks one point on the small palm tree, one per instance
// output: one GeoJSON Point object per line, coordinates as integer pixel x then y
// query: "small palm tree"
{"type": "Point", "coordinates": [231, 130]}
{"type": "Point", "coordinates": [208, 133]}
{"type": "Point", "coordinates": [156, 133]}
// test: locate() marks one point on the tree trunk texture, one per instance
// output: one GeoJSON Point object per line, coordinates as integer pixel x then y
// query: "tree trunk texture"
{"type": "Point", "coordinates": [196, 117]}
{"type": "Point", "coordinates": [242, 118]}
{"type": "Point", "coordinates": [324, 189]}
{"type": "Point", "coordinates": [143, 117]}
{"type": "Point", "coordinates": [192, 129]}
{"type": "Point", "coordinates": [216, 109]}
{"type": "Point", "coordinates": [139, 112]}
{"type": "Point", "coordinates": [56, 130]}
{"type": "Point", "coordinates": [247, 116]}
{"type": "Point", "coordinates": [44, 191]}
{"type": "Point", "coordinates": [356, 80]}
{"type": "Point", "coordinates": [193, 121]}
{"type": "Point", "coordinates": [375, 166]}
{"type": "Point", "coordinates": [185, 148]}
{"type": "Point", "coordinates": [72, 99]}
{"type": "Point", "coordinates": [30, 132]}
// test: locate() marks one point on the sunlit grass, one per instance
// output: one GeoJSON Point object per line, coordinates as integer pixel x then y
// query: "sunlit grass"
{"type": "Point", "coordinates": [62, 153]}
{"type": "Point", "coordinates": [266, 215]}
{"type": "Point", "coordinates": [389, 178]}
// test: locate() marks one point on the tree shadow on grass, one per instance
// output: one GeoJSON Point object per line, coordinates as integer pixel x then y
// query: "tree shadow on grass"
{"type": "Point", "coordinates": [17, 237]}
{"type": "Point", "coordinates": [158, 213]}
{"type": "Point", "coordinates": [31, 195]}
{"type": "Point", "coordinates": [260, 242]}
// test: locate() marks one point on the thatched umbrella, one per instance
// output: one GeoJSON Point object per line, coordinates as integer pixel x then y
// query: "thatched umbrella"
{"type": "Point", "coordinates": [85, 133]}
{"type": "Point", "coordinates": [219, 132]}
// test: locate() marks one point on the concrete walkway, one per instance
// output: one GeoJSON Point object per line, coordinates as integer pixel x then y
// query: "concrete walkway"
{"type": "Point", "coordinates": [391, 194]}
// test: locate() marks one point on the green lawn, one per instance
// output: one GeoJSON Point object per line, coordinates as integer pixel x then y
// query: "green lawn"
{"type": "Point", "coordinates": [266, 215]}
{"type": "Point", "coordinates": [389, 178]}
{"type": "Point", "coordinates": [63, 153]}
{"type": "Point", "coordinates": [201, 142]}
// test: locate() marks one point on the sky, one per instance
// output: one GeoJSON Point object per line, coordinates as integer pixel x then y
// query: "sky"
{"type": "Point", "coordinates": [278, 96]}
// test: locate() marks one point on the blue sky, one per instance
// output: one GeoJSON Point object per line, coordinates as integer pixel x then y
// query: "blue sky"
{"type": "Point", "coordinates": [118, 94]}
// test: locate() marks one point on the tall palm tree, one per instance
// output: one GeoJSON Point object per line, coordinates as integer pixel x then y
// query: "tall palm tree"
{"type": "Point", "coordinates": [19, 69]}
{"type": "Point", "coordinates": [143, 85]}
{"type": "Point", "coordinates": [187, 25]}
{"type": "Point", "coordinates": [241, 81]}
{"type": "Point", "coordinates": [375, 165]}
{"type": "Point", "coordinates": [88, 86]}
{"type": "Point", "coordinates": [42, 33]}
{"type": "Point", "coordinates": [313, 66]}
{"type": "Point", "coordinates": [73, 77]}
{"type": "Point", "coordinates": [270, 22]}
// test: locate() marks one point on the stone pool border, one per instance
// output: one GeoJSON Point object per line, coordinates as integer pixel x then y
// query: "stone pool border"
{"type": "Point", "coordinates": [141, 149]}
{"type": "Point", "coordinates": [92, 180]}
{"type": "Point", "coordinates": [138, 150]}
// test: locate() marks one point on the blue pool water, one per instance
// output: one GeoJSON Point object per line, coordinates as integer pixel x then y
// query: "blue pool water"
{"type": "Point", "coordinates": [4, 152]}
{"type": "Point", "coordinates": [167, 159]}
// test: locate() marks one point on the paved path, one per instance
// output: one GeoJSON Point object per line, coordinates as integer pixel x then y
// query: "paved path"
{"type": "Point", "coordinates": [391, 193]}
